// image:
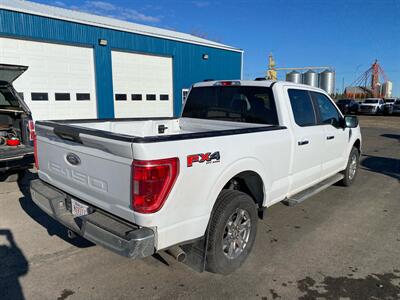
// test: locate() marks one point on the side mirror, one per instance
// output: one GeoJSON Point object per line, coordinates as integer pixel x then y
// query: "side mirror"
{"type": "Point", "coordinates": [351, 121]}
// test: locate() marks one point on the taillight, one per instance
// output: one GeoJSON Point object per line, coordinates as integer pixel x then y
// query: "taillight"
{"type": "Point", "coordinates": [31, 129]}
{"type": "Point", "coordinates": [152, 182]}
{"type": "Point", "coordinates": [35, 151]}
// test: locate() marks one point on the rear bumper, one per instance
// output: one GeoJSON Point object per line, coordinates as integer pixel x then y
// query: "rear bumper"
{"type": "Point", "coordinates": [14, 163]}
{"type": "Point", "coordinates": [98, 227]}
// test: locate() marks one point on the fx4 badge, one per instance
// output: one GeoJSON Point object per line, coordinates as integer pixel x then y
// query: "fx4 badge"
{"type": "Point", "coordinates": [208, 158]}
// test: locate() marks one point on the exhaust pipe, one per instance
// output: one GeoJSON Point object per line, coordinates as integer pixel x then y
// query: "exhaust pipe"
{"type": "Point", "coordinates": [177, 253]}
{"type": "Point", "coordinates": [71, 234]}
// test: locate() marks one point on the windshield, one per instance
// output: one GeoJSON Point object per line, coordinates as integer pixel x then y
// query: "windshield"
{"type": "Point", "coordinates": [397, 101]}
{"type": "Point", "coordinates": [7, 99]}
{"type": "Point", "coordinates": [344, 101]}
{"type": "Point", "coordinates": [389, 100]}
{"type": "Point", "coordinates": [371, 101]}
{"type": "Point", "coordinates": [250, 104]}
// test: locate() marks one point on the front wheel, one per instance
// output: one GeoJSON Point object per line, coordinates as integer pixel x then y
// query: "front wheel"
{"type": "Point", "coordinates": [232, 231]}
{"type": "Point", "coordinates": [351, 170]}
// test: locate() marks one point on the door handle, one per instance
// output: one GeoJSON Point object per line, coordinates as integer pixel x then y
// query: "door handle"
{"type": "Point", "coordinates": [302, 143]}
{"type": "Point", "coordinates": [330, 137]}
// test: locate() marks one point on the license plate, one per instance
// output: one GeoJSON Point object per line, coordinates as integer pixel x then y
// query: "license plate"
{"type": "Point", "coordinates": [79, 209]}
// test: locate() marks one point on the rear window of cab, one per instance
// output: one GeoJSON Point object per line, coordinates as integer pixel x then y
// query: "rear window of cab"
{"type": "Point", "coordinates": [249, 104]}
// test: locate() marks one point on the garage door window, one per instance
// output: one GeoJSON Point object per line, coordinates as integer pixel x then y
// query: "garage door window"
{"type": "Point", "coordinates": [62, 97]}
{"type": "Point", "coordinates": [39, 96]}
{"type": "Point", "coordinates": [120, 97]}
{"type": "Point", "coordinates": [151, 97]}
{"type": "Point", "coordinates": [83, 97]}
{"type": "Point", "coordinates": [136, 97]}
{"type": "Point", "coordinates": [164, 97]}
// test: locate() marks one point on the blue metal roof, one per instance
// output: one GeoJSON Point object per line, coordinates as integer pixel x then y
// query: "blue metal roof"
{"type": "Point", "coordinates": [105, 22]}
{"type": "Point", "coordinates": [187, 57]}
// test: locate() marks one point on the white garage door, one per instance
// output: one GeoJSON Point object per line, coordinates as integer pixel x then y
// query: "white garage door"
{"type": "Point", "coordinates": [60, 81]}
{"type": "Point", "coordinates": [142, 85]}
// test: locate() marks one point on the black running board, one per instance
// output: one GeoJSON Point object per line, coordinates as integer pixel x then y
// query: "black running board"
{"type": "Point", "coordinates": [300, 197]}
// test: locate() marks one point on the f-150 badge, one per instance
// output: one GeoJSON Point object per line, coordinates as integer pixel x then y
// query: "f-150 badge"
{"type": "Point", "coordinates": [208, 158]}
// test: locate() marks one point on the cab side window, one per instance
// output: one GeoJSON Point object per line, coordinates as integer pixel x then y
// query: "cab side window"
{"type": "Point", "coordinates": [328, 113]}
{"type": "Point", "coordinates": [302, 107]}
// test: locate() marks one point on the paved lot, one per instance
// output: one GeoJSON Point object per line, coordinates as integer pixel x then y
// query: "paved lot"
{"type": "Point", "coordinates": [342, 243]}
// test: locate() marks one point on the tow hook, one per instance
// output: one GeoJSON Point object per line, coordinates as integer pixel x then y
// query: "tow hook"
{"type": "Point", "coordinates": [71, 234]}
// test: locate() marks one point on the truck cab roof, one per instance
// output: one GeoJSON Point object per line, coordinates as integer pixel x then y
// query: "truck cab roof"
{"type": "Point", "coordinates": [265, 83]}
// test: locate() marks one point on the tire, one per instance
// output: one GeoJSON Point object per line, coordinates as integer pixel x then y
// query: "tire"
{"type": "Point", "coordinates": [220, 258]}
{"type": "Point", "coordinates": [351, 171]}
{"type": "Point", "coordinates": [12, 176]}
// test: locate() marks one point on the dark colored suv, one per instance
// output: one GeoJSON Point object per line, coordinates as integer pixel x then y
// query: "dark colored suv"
{"type": "Point", "coordinates": [347, 106]}
{"type": "Point", "coordinates": [396, 107]}
{"type": "Point", "coordinates": [16, 126]}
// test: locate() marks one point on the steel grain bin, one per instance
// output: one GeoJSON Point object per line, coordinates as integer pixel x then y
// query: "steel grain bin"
{"type": "Point", "coordinates": [294, 76]}
{"type": "Point", "coordinates": [310, 78]}
{"type": "Point", "coordinates": [327, 81]}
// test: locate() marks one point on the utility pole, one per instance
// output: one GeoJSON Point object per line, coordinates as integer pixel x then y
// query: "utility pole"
{"type": "Point", "coordinates": [271, 72]}
{"type": "Point", "coordinates": [342, 85]}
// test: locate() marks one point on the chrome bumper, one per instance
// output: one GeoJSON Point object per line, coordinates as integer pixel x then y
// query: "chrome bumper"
{"type": "Point", "coordinates": [98, 227]}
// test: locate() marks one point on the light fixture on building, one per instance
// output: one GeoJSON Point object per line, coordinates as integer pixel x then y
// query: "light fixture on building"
{"type": "Point", "coordinates": [205, 56]}
{"type": "Point", "coordinates": [103, 42]}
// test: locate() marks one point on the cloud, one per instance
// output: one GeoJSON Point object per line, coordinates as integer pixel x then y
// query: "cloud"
{"type": "Point", "coordinates": [102, 5]}
{"type": "Point", "coordinates": [111, 10]}
{"type": "Point", "coordinates": [59, 3]}
{"type": "Point", "coordinates": [131, 14]}
{"type": "Point", "coordinates": [201, 4]}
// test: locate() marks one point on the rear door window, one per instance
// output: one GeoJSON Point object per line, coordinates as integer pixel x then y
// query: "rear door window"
{"type": "Point", "coordinates": [328, 114]}
{"type": "Point", "coordinates": [302, 107]}
{"type": "Point", "coordinates": [249, 104]}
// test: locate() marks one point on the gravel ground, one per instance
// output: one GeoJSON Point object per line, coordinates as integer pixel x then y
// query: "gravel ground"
{"type": "Point", "coordinates": [341, 243]}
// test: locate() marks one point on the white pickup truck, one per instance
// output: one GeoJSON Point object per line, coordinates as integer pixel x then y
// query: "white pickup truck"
{"type": "Point", "coordinates": [139, 186]}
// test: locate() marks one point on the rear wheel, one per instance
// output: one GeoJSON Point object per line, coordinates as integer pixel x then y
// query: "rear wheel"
{"type": "Point", "coordinates": [232, 231]}
{"type": "Point", "coordinates": [351, 170]}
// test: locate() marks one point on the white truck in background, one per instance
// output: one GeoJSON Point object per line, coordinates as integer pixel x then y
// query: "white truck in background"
{"type": "Point", "coordinates": [139, 186]}
{"type": "Point", "coordinates": [373, 106]}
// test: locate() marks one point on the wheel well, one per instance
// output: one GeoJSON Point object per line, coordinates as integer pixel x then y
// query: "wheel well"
{"type": "Point", "coordinates": [248, 182]}
{"type": "Point", "coordinates": [357, 144]}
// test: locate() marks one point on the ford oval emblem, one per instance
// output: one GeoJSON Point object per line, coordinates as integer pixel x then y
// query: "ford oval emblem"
{"type": "Point", "coordinates": [73, 159]}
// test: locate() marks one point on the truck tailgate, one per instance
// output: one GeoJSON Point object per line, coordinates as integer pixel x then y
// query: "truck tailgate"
{"type": "Point", "coordinates": [94, 169]}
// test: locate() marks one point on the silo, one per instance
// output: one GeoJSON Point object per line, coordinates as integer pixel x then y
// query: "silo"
{"type": "Point", "coordinates": [386, 89]}
{"type": "Point", "coordinates": [327, 81]}
{"type": "Point", "coordinates": [310, 78]}
{"type": "Point", "coordinates": [293, 77]}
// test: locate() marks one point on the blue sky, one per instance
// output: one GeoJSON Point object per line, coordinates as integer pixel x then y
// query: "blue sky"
{"type": "Point", "coordinates": [348, 35]}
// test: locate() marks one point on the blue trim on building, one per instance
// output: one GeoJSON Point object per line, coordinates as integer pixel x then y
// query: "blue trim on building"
{"type": "Point", "coordinates": [104, 82]}
{"type": "Point", "coordinates": [188, 64]}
